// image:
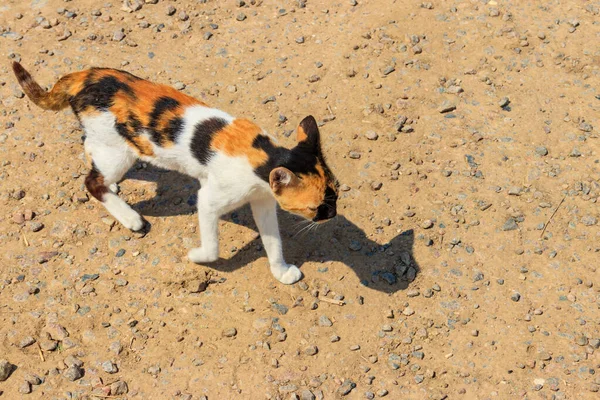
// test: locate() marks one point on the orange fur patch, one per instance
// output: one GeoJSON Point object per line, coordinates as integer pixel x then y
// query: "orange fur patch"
{"type": "Point", "coordinates": [307, 192]}
{"type": "Point", "coordinates": [236, 140]}
{"type": "Point", "coordinates": [301, 135]}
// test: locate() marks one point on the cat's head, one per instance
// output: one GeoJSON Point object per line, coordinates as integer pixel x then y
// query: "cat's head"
{"type": "Point", "coordinates": [303, 184]}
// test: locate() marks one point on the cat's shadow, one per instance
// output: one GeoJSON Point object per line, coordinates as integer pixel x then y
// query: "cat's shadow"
{"type": "Point", "coordinates": [388, 267]}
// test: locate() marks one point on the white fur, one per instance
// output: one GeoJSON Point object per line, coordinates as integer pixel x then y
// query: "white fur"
{"type": "Point", "coordinates": [226, 184]}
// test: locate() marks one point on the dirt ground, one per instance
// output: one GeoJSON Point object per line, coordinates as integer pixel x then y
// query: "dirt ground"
{"type": "Point", "coordinates": [464, 261]}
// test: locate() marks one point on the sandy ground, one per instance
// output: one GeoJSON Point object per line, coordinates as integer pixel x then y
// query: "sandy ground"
{"type": "Point", "coordinates": [464, 260]}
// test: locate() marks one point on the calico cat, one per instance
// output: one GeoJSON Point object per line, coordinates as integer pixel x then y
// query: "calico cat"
{"type": "Point", "coordinates": [126, 118]}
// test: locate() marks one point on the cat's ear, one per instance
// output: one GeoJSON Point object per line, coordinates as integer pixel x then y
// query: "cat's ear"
{"type": "Point", "coordinates": [308, 134]}
{"type": "Point", "coordinates": [280, 178]}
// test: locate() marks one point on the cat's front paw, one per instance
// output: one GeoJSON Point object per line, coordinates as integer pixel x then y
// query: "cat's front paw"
{"type": "Point", "coordinates": [201, 255]}
{"type": "Point", "coordinates": [287, 274]}
{"type": "Point", "coordinates": [132, 221]}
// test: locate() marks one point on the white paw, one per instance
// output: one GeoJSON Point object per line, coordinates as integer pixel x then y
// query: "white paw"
{"type": "Point", "coordinates": [200, 255]}
{"type": "Point", "coordinates": [287, 274]}
{"type": "Point", "coordinates": [132, 221]}
{"type": "Point", "coordinates": [114, 188]}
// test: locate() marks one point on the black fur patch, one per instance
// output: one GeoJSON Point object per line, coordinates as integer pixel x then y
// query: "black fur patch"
{"type": "Point", "coordinates": [173, 129]}
{"type": "Point", "coordinates": [203, 133]}
{"type": "Point", "coordinates": [130, 129]}
{"type": "Point", "coordinates": [99, 95]}
{"type": "Point", "coordinates": [162, 105]}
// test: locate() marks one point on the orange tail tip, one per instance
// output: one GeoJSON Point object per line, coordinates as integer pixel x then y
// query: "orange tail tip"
{"type": "Point", "coordinates": [56, 99]}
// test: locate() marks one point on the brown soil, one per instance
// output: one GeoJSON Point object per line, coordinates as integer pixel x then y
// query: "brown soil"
{"type": "Point", "coordinates": [464, 199]}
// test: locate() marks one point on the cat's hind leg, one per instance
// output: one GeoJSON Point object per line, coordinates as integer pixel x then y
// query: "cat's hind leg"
{"type": "Point", "coordinates": [109, 164]}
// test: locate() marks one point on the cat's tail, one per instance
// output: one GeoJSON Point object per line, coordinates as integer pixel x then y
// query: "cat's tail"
{"type": "Point", "coordinates": [56, 99]}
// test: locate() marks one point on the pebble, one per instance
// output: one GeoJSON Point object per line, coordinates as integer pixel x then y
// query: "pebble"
{"type": "Point", "coordinates": [6, 369]}
{"type": "Point", "coordinates": [307, 395]}
{"type": "Point", "coordinates": [346, 388]}
{"type": "Point", "coordinates": [408, 311]}
{"type": "Point", "coordinates": [388, 70]}
{"type": "Point", "coordinates": [109, 367]}
{"type": "Point", "coordinates": [311, 350]}
{"type": "Point", "coordinates": [325, 321]}
{"type": "Point", "coordinates": [36, 226]}
{"type": "Point", "coordinates": [446, 106]}
{"type": "Point", "coordinates": [73, 373]}
{"type": "Point", "coordinates": [27, 341]}
{"type": "Point", "coordinates": [229, 332]}
{"type": "Point", "coordinates": [25, 388]}
{"type": "Point", "coordinates": [119, 388]}
{"type": "Point", "coordinates": [170, 10]}
{"type": "Point", "coordinates": [510, 225]}
{"type": "Point", "coordinates": [240, 17]}
{"type": "Point", "coordinates": [427, 224]}
{"type": "Point", "coordinates": [541, 151]}
{"type": "Point", "coordinates": [515, 297]}
{"type": "Point", "coordinates": [300, 40]}
{"type": "Point", "coordinates": [504, 102]}
{"type": "Point", "coordinates": [371, 135]}
{"type": "Point", "coordinates": [118, 35]}
{"type": "Point", "coordinates": [179, 85]}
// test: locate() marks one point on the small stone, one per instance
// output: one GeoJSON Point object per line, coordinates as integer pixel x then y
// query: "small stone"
{"type": "Point", "coordinates": [419, 378]}
{"type": "Point", "coordinates": [376, 185]}
{"type": "Point", "coordinates": [6, 369]}
{"type": "Point", "coordinates": [346, 388]}
{"type": "Point", "coordinates": [371, 135]}
{"type": "Point", "coordinates": [355, 347]}
{"type": "Point", "coordinates": [314, 78]}
{"type": "Point", "coordinates": [307, 395]}
{"type": "Point", "coordinates": [183, 16]}
{"type": "Point", "coordinates": [300, 40]}
{"type": "Point", "coordinates": [541, 151]}
{"type": "Point", "coordinates": [325, 321]}
{"type": "Point", "coordinates": [581, 341]}
{"type": "Point", "coordinates": [36, 226]}
{"type": "Point", "coordinates": [334, 338]}
{"type": "Point", "coordinates": [382, 393]}
{"type": "Point", "coordinates": [240, 17]}
{"type": "Point", "coordinates": [311, 350]}
{"type": "Point", "coordinates": [388, 70]}
{"type": "Point", "coordinates": [504, 102]}
{"type": "Point", "coordinates": [73, 373]}
{"type": "Point", "coordinates": [170, 10]}
{"type": "Point", "coordinates": [427, 224]}
{"type": "Point", "coordinates": [589, 220]}
{"type": "Point", "coordinates": [408, 311]}
{"type": "Point", "coordinates": [48, 345]}
{"type": "Point", "coordinates": [207, 35]}
{"type": "Point", "coordinates": [118, 35]}
{"type": "Point", "coordinates": [510, 225]}
{"type": "Point", "coordinates": [72, 361]}
{"type": "Point", "coordinates": [355, 155]}
{"type": "Point", "coordinates": [28, 341]}
{"type": "Point", "coordinates": [446, 106]}
{"type": "Point", "coordinates": [33, 379]}
{"type": "Point", "coordinates": [109, 367]}
{"type": "Point", "coordinates": [25, 388]}
{"type": "Point", "coordinates": [475, 333]}
{"type": "Point", "coordinates": [515, 297]}
{"type": "Point", "coordinates": [229, 332]}
{"type": "Point", "coordinates": [179, 85]}
{"type": "Point", "coordinates": [119, 388]}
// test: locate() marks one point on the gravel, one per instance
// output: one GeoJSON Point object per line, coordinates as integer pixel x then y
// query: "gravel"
{"type": "Point", "coordinates": [6, 369]}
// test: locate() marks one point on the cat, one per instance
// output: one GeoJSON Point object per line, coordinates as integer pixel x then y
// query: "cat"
{"type": "Point", "coordinates": [126, 118]}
